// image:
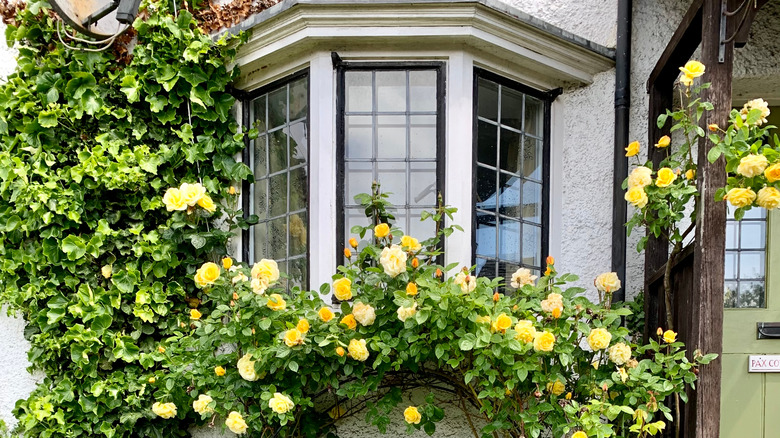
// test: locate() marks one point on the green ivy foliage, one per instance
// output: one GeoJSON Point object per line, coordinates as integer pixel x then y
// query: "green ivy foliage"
{"type": "Point", "coordinates": [90, 141]}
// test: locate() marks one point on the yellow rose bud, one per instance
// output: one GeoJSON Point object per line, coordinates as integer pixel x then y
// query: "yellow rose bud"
{"type": "Point", "coordinates": [438, 273]}
{"type": "Point", "coordinates": [693, 69]}
{"type": "Point", "coordinates": [599, 339]}
{"type": "Point", "coordinates": [556, 313]}
{"type": "Point", "coordinates": [194, 314]}
{"type": "Point", "coordinates": [579, 434]}
{"type": "Point", "coordinates": [752, 165]}
{"type": "Point", "coordinates": [739, 197]}
{"type": "Point", "coordinates": [340, 351]}
{"type": "Point", "coordinates": [411, 289]}
{"type": "Point", "coordinates": [632, 149]}
{"type": "Point", "coordinates": [713, 127]}
{"type": "Point", "coordinates": [353, 242]}
{"type": "Point", "coordinates": [218, 370]}
{"type": "Point", "coordinates": [670, 336]}
{"type": "Point", "coordinates": [381, 230]}
{"type": "Point", "coordinates": [768, 197]}
{"type": "Point", "coordinates": [325, 314]}
{"type": "Point", "coordinates": [659, 331]}
{"type": "Point", "coordinates": [496, 297]}
{"type": "Point", "coordinates": [772, 173]}
{"type": "Point", "coordinates": [303, 326]}
{"type": "Point", "coordinates": [276, 302]}
{"type": "Point", "coordinates": [106, 271]}
{"type": "Point", "coordinates": [568, 396]}
{"type": "Point", "coordinates": [337, 412]}
{"type": "Point", "coordinates": [550, 260]}
{"type": "Point", "coordinates": [161, 349]}
{"type": "Point", "coordinates": [227, 263]}
{"type": "Point", "coordinates": [152, 380]}
{"type": "Point", "coordinates": [663, 142]}
{"type": "Point", "coordinates": [690, 174]}
{"type": "Point", "coordinates": [412, 415]}
{"type": "Point", "coordinates": [544, 341]}
{"type": "Point", "coordinates": [415, 263]}
{"type": "Point", "coordinates": [665, 178]}
{"type": "Point", "coordinates": [347, 253]}
{"type": "Point", "coordinates": [342, 288]}
{"type": "Point", "coordinates": [349, 321]}
{"type": "Point", "coordinates": [232, 190]}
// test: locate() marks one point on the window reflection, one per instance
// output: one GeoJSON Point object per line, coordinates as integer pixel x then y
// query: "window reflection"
{"type": "Point", "coordinates": [280, 192]}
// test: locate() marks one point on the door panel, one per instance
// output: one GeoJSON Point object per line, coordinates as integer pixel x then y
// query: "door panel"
{"type": "Point", "coordinates": [742, 396]}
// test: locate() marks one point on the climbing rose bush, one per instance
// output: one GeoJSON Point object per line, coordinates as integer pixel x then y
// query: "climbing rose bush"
{"type": "Point", "coordinates": [278, 361]}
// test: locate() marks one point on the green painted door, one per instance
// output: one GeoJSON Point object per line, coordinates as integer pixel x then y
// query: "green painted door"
{"type": "Point", "coordinates": [750, 402]}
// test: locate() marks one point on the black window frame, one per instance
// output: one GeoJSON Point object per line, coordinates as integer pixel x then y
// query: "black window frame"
{"type": "Point", "coordinates": [738, 251]}
{"type": "Point", "coordinates": [246, 102]}
{"type": "Point", "coordinates": [547, 97]}
{"type": "Point", "coordinates": [341, 68]}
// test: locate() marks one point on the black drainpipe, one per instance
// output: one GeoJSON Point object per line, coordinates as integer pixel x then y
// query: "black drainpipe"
{"type": "Point", "coordinates": [622, 106]}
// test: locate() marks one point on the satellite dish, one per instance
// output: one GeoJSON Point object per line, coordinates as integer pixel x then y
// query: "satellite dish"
{"type": "Point", "coordinates": [97, 18]}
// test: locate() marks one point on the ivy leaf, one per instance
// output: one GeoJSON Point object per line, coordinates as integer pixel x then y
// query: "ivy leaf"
{"type": "Point", "coordinates": [131, 88]}
{"type": "Point", "coordinates": [124, 281]}
{"type": "Point", "coordinates": [198, 241]}
{"type": "Point", "coordinates": [47, 119]}
{"type": "Point", "coordinates": [193, 75]}
{"type": "Point", "coordinates": [81, 82]}
{"type": "Point", "coordinates": [185, 134]}
{"type": "Point", "coordinates": [74, 247]}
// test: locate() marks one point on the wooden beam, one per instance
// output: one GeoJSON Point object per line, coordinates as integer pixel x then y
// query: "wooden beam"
{"type": "Point", "coordinates": [684, 42]}
{"type": "Point", "coordinates": [705, 319]}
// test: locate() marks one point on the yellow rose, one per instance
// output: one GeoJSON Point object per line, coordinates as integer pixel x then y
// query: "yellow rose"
{"type": "Point", "coordinates": [411, 289]}
{"type": "Point", "coordinates": [410, 244]}
{"type": "Point", "coordinates": [556, 388]}
{"type": "Point", "coordinates": [632, 149]}
{"type": "Point", "coordinates": [246, 368]}
{"type": "Point", "coordinates": [756, 104]}
{"type": "Point", "coordinates": [106, 271]}
{"type": "Point", "coordinates": [619, 353]}
{"type": "Point", "coordinates": [393, 260]}
{"type": "Point", "coordinates": [227, 263]}
{"type": "Point", "coordinates": [164, 410]}
{"type": "Point", "coordinates": [713, 127]}
{"type": "Point", "coordinates": [666, 177]}
{"type": "Point", "coordinates": [412, 415]}
{"type": "Point", "coordinates": [544, 341]}
{"type": "Point", "coordinates": [381, 230]}
{"type": "Point", "coordinates": [579, 434]}
{"type": "Point", "coordinates": [349, 321]}
{"type": "Point", "coordinates": [693, 69]}
{"type": "Point", "coordinates": [670, 336]}
{"type": "Point", "coordinates": [201, 405]}
{"type": "Point", "coordinates": [690, 174]}
{"type": "Point", "coordinates": [235, 422]}
{"type": "Point", "coordinates": [405, 313]}
{"type": "Point", "coordinates": [607, 282]}
{"type": "Point", "coordinates": [525, 331]}
{"type": "Point", "coordinates": [554, 301]}
{"type": "Point", "coordinates": [207, 203]}
{"type": "Point", "coordinates": [772, 173]}
{"type": "Point", "coordinates": [207, 274]}
{"type": "Point", "coordinates": [280, 403]}
{"type": "Point", "coordinates": [640, 177]}
{"type": "Point", "coordinates": [752, 165]}
{"type": "Point", "coordinates": [364, 314]}
{"type": "Point", "coordinates": [599, 338]}
{"type": "Point", "coordinates": [466, 282]}
{"type": "Point", "coordinates": [337, 412]}
{"type": "Point", "coordinates": [325, 314]}
{"type": "Point", "coordinates": [293, 337]}
{"type": "Point", "coordinates": [342, 288]}
{"type": "Point", "coordinates": [502, 323]}
{"type": "Point", "coordinates": [663, 142]}
{"type": "Point", "coordinates": [357, 350]}
{"type": "Point", "coordinates": [739, 197]}
{"type": "Point", "coordinates": [219, 371]}
{"type": "Point", "coordinates": [340, 351]}
{"type": "Point", "coordinates": [353, 242]}
{"type": "Point", "coordinates": [276, 302]}
{"type": "Point", "coordinates": [194, 314]}
{"type": "Point", "coordinates": [152, 380]}
{"type": "Point", "coordinates": [768, 197]}
{"type": "Point", "coordinates": [266, 270]}
{"type": "Point", "coordinates": [232, 190]}
{"type": "Point", "coordinates": [191, 193]}
{"type": "Point", "coordinates": [173, 200]}
{"type": "Point", "coordinates": [522, 277]}
{"type": "Point", "coordinates": [303, 325]}
{"type": "Point", "coordinates": [685, 80]}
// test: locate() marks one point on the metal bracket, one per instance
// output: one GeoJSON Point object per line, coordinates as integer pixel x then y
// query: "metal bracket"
{"type": "Point", "coordinates": [722, 39]}
{"type": "Point", "coordinates": [768, 330]}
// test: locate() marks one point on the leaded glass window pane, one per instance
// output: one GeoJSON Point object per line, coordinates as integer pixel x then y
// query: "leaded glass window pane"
{"type": "Point", "coordinates": [508, 180]}
{"type": "Point", "coordinates": [745, 270]}
{"type": "Point", "coordinates": [390, 136]}
{"type": "Point", "coordinates": [279, 195]}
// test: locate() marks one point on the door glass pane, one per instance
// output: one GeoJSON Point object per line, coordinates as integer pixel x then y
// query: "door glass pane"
{"type": "Point", "coordinates": [281, 187]}
{"type": "Point", "coordinates": [745, 259]}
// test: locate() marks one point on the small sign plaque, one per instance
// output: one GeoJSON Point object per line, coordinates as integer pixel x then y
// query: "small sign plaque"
{"type": "Point", "coordinates": [764, 364]}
